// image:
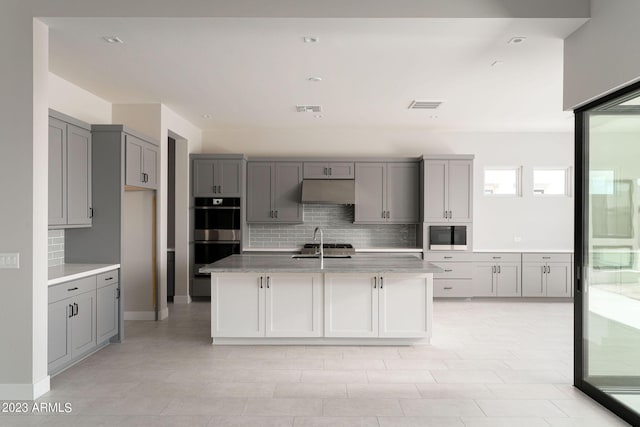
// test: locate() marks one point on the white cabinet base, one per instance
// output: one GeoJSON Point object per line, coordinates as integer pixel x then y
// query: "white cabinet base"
{"type": "Point", "coordinates": [322, 341]}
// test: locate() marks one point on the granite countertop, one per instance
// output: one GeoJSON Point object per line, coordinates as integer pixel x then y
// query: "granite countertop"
{"type": "Point", "coordinates": [286, 264]}
{"type": "Point", "coordinates": [66, 272]}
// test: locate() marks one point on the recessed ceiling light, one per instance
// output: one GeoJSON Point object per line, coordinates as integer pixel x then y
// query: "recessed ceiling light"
{"type": "Point", "coordinates": [496, 63]}
{"type": "Point", "coordinates": [318, 116]}
{"type": "Point", "coordinates": [310, 39]}
{"type": "Point", "coordinates": [206, 116]}
{"type": "Point", "coordinates": [516, 40]}
{"type": "Point", "coordinates": [315, 79]}
{"type": "Point", "coordinates": [112, 39]}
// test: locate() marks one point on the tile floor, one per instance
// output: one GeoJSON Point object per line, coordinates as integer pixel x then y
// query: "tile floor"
{"type": "Point", "coordinates": [491, 364]}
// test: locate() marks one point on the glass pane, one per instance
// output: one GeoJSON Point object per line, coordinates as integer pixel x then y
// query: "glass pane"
{"type": "Point", "coordinates": [501, 181]}
{"type": "Point", "coordinates": [550, 181]}
{"type": "Point", "coordinates": [612, 299]}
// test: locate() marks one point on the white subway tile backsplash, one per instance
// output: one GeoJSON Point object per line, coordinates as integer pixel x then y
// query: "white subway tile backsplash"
{"type": "Point", "coordinates": [56, 247]}
{"type": "Point", "coordinates": [336, 222]}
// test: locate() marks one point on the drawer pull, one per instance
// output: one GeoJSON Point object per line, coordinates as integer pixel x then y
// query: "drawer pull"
{"type": "Point", "coordinates": [448, 288]}
{"type": "Point", "coordinates": [497, 257]}
{"type": "Point", "coordinates": [72, 289]}
{"type": "Point", "coordinates": [448, 271]}
{"type": "Point", "coordinates": [546, 257]}
{"type": "Point", "coordinates": [448, 257]}
{"type": "Point", "coordinates": [108, 278]}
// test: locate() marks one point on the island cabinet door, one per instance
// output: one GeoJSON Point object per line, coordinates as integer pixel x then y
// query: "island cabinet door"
{"type": "Point", "coordinates": [405, 306]}
{"type": "Point", "coordinates": [293, 305]}
{"type": "Point", "coordinates": [350, 305]}
{"type": "Point", "coordinates": [237, 305]}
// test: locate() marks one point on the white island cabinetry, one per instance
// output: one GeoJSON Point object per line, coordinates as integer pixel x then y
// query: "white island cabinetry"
{"type": "Point", "coordinates": [255, 305]}
{"type": "Point", "coordinates": [275, 299]}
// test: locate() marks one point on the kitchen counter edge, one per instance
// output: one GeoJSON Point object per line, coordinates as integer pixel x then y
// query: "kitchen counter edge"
{"type": "Point", "coordinates": [67, 272]}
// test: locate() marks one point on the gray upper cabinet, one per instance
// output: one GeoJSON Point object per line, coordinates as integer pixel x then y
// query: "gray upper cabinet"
{"type": "Point", "coordinates": [217, 177]}
{"type": "Point", "coordinates": [273, 192]}
{"type": "Point", "coordinates": [329, 170]}
{"type": "Point", "coordinates": [387, 192]}
{"type": "Point", "coordinates": [141, 160]}
{"type": "Point", "coordinates": [448, 190]}
{"type": "Point", "coordinates": [69, 173]}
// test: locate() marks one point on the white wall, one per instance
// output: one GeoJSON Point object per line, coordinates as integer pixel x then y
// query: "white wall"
{"type": "Point", "coordinates": [602, 55]}
{"type": "Point", "coordinates": [77, 102]}
{"type": "Point", "coordinates": [541, 223]}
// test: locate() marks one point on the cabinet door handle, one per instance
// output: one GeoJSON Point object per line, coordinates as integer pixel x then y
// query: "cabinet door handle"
{"type": "Point", "coordinates": [448, 257]}
{"type": "Point", "coordinates": [220, 189]}
{"type": "Point", "coordinates": [448, 288]}
{"type": "Point", "coordinates": [445, 214]}
{"type": "Point", "coordinates": [330, 173]}
{"type": "Point", "coordinates": [72, 289]}
{"type": "Point", "coordinates": [90, 212]}
{"type": "Point", "coordinates": [447, 271]}
{"type": "Point", "coordinates": [276, 213]}
{"type": "Point", "coordinates": [388, 214]}
{"type": "Point", "coordinates": [75, 306]}
{"type": "Point", "coordinates": [108, 278]}
{"type": "Point", "coordinates": [548, 269]}
{"type": "Point", "coordinates": [215, 189]}
{"type": "Point", "coordinates": [498, 269]}
{"type": "Point", "coordinates": [268, 282]}
{"type": "Point", "coordinates": [271, 214]}
{"type": "Point", "coordinates": [324, 171]}
{"type": "Point", "coordinates": [70, 311]}
{"type": "Point", "coordinates": [261, 282]}
{"type": "Point", "coordinates": [375, 282]}
{"type": "Point", "coordinates": [382, 214]}
{"type": "Point", "coordinates": [118, 293]}
{"type": "Point", "coordinates": [141, 176]}
{"type": "Point", "coordinates": [381, 282]}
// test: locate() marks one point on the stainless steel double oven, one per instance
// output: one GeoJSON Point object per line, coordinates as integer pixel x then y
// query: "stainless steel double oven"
{"type": "Point", "coordinates": [216, 234]}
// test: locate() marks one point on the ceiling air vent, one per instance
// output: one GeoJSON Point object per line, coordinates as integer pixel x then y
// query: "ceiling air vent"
{"type": "Point", "coordinates": [308, 108]}
{"type": "Point", "coordinates": [424, 105]}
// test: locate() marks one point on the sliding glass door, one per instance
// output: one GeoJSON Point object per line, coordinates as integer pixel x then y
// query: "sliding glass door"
{"type": "Point", "coordinates": [607, 316]}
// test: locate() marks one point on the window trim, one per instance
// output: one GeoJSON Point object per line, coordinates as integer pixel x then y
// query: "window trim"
{"type": "Point", "coordinates": [518, 171]}
{"type": "Point", "coordinates": [567, 180]}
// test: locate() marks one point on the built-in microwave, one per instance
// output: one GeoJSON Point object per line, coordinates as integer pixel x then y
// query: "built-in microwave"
{"type": "Point", "coordinates": [448, 237]}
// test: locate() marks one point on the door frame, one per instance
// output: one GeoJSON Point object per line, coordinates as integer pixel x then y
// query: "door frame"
{"type": "Point", "coordinates": [581, 230]}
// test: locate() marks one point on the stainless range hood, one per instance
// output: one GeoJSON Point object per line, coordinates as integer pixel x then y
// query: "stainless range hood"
{"type": "Point", "coordinates": [330, 191]}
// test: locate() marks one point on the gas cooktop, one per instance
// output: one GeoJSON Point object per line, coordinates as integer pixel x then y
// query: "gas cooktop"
{"type": "Point", "coordinates": [329, 249]}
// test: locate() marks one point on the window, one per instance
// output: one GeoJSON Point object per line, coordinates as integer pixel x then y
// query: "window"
{"type": "Point", "coordinates": [502, 181]}
{"type": "Point", "coordinates": [554, 182]}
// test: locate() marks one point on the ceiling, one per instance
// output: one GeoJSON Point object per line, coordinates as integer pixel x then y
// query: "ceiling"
{"type": "Point", "coordinates": [252, 72]}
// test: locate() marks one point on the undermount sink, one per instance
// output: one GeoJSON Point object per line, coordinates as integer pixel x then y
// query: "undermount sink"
{"type": "Point", "coordinates": [305, 256]}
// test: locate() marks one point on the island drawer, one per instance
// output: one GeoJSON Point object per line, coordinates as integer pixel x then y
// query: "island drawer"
{"type": "Point", "coordinates": [448, 256]}
{"type": "Point", "coordinates": [454, 270]}
{"type": "Point", "coordinates": [497, 257]}
{"type": "Point", "coordinates": [546, 257]}
{"type": "Point", "coordinates": [108, 278]}
{"type": "Point", "coordinates": [452, 288]}
{"type": "Point", "coordinates": [70, 289]}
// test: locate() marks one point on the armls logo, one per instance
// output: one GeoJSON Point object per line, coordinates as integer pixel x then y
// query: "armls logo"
{"type": "Point", "coordinates": [51, 408]}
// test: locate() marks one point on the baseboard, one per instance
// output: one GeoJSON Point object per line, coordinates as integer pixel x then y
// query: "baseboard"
{"type": "Point", "coordinates": [25, 391]}
{"type": "Point", "coordinates": [182, 299]}
{"type": "Point", "coordinates": [139, 315]}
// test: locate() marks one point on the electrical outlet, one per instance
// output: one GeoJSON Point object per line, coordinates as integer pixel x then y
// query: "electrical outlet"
{"type": "Point", "coordinates": [10, 260]}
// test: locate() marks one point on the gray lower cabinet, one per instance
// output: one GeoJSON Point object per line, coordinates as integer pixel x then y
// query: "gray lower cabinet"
{"type": "Point", "coordinates": [497, 275]}
{"type": "Point", "coordinates": [456, 279]}
{"type": "Point", "coordinates": [141, 163]}
{"type": "Point", "coordinates": [387, 193]}
{"type": "Point", "coordinates": [82, 314]}
{"type": "Point", "coordinates": [328, 170]}
{"type": "Point", "coordinates": [547, 275]}
{"type": "Point", "coordinates": [69, 173]}
{"type": "Point", "coordinates": [107, 306]}
{"type": "Point", "coordinates": [448, 195]}
{"type": "Point", "coordinates": [273, 192]}
{"type": "Point", "coordinates": [217, 177]}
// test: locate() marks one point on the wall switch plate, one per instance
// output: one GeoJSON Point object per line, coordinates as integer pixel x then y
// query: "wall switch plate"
{"type": "Point", "coordinates": [10, 260]}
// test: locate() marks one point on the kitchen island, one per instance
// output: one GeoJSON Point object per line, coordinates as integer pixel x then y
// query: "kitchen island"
{"type": "Point", "coordinates": [281, 299]}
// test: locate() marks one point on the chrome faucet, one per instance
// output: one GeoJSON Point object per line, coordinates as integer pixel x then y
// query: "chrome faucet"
{"type": "Point", "coordinates": [315, 237]}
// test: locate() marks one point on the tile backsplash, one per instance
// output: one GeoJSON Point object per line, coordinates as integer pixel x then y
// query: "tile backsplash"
{"type": "Point", "coordinates": [337, 225]}
{"type": "Point", "coordinates": [56, 247]}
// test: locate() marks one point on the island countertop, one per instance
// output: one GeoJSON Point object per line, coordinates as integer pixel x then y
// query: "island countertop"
{"type": "Point", "coordinates": [250, 263]}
